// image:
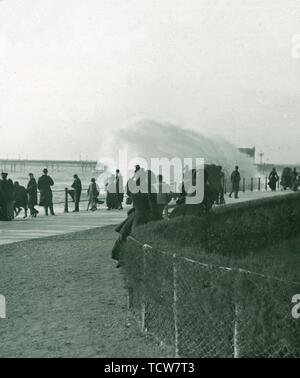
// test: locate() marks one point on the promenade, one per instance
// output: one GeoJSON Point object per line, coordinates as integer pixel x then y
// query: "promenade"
{"type": "Point", "coordinates": [42, 226]}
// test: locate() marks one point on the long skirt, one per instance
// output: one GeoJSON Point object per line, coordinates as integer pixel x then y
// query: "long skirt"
{"type": "Point", "coordinates": [46, 198]}
{"type": "Point", "coordinates": [7, 211]}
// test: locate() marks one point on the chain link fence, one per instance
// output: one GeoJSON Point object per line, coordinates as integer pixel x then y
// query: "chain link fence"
{"type": "Point", "coordinates": [205, 311]}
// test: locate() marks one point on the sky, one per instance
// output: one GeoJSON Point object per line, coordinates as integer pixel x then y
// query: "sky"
{"type": "Point", "coordinates": [72, 70]}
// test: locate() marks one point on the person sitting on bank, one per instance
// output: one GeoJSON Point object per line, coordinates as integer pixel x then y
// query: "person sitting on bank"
{"type": "Point", "coordinates": [164, 195]}
{"type": "Point", "coordinates": [144, 210]}
{"type": "Point", "coordinates": [200, 209]}
{"type": "Point", "coordinates": [45, 183]}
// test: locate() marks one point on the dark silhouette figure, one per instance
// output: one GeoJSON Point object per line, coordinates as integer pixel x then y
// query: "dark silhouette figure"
{"type": "Point", "coordinates": [6, 198]}
{"type": "Point", "coordinates": [20, 199]}
{"type": "Point", "coordinates": [93, 193]}
{"type": "Point", "coordinates": [111, 193]}
{"type": "Point", "coordinates": [77, 186]}
{"type": "Point", "coordinates": [119, 189]}
{"type": "Point", "coordinates": [164, 195]}
{"type": "Point", "coordinates": [235, 182]}
{"type": "Point", "coordinates": [32, 195]}
{"type": "Point", "coordinates": [201, 209]}
{"type": "Point", "coordinates": [295, 180]}
{"type": "Point", "coordinates": [46, 197]}
{"type": "Point", "coordinates": [144, 209]}
{"type": "Point", "coordinates": [273, 179]}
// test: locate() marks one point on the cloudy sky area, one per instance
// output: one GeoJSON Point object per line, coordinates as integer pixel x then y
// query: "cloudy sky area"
{"type": "Point", "coordinates": [71, 69]}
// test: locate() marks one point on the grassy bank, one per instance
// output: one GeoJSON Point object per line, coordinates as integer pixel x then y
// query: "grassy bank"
{"type": "Point", "coordinates": [259, 235]}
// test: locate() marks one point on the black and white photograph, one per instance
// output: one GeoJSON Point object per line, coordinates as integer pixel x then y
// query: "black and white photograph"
{"type": "Point", "coordinates": [150, 181]}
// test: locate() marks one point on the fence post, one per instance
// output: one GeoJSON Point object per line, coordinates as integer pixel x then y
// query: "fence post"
{"type": "Point", "coordinates": [244, 184]}
{"type": "Point", "coordinates": [175, 313]}
{"type": "Point", "coordinates": [259, 183]}
{"type": "Point", "coordinates": [251, 184]}
{"type": "Point", "coordinates": [236, 351]}
{"type": "Point", "coordinates": [66, 210]}
{"type": "Point", "coordinates": [127, 299]}
{"type": "Point", "coordinates": [143, 304]}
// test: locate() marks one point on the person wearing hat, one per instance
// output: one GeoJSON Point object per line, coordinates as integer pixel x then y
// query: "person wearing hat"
{"type": "Point", "coordinates": [6, 198]}
{"type": "Point", "coordinates": [46, 197]}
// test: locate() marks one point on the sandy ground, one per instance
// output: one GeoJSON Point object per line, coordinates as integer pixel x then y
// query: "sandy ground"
{"type": "Point", "coordinates": [65, 298]}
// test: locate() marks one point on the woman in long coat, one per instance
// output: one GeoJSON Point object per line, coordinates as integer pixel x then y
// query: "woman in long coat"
{"type": "Point", "coordinates": [46, 198]}
{"type": "Point", "coordinates": [32, 195]}
{"type": "Point", "coordinates": [93, 193]}
{"type": "Point", "coordinates": [273, 178]}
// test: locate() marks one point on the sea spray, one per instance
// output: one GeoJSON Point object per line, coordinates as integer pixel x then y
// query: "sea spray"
{"type": "Point", "coordinates": [147, 139]}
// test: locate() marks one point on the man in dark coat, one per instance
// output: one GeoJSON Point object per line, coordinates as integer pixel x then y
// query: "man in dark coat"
{"type": "Point", "coordinates": [20, 199]}
{"type": "Point", "coordinates": [32, 195]}
{"type": "Point", "coordinates": [235, 181]}
{"type": "Point", "coordinates": [6, 197]}
{"type": "Point", "coordinates": [77, 192]}
{"type": "Point", "coordinates": [46, 198]}
{"type": "Point", "coordinates": [119, 189]}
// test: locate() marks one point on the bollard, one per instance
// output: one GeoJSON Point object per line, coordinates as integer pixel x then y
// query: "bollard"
{"type": "Point", "coordinates": [259, 183]}
{"type": "Point", "coordinates": [251, 184]}
{"type": "Point", "coordinates": [266, 183]}
{"type": "Point", "coordinates": [244, 184]}
{"type": "Point", "coordinates": [66, 210]}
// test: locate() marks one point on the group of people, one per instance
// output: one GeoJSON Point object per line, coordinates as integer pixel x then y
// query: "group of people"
{"type": "Point", "coordinates": [114, 191]}
{"type": "Point", "coordinates": [15, 197]}
{"type": "Point", "coordinates": [289, 179]}
{"type": "Point", "coordinates": [150, 198]}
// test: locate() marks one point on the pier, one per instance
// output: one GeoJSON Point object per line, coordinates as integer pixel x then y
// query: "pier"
{"type": "Point", "coordinates": [22, 165]}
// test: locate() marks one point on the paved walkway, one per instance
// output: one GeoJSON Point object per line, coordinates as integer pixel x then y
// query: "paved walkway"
{"type": "Point", "coordinates": [249, 196]}
{"type": "Point", "coordinates": [26, 229]}
{"type": "Point", "coordinates": [42, 226]}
